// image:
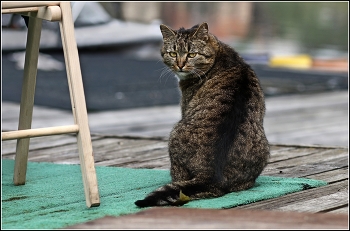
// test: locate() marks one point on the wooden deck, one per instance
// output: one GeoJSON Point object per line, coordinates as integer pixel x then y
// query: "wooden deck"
{"type": "Point", "coordinates": [291, 119]}
{"type": "Point", "coordinates": [308, 136]}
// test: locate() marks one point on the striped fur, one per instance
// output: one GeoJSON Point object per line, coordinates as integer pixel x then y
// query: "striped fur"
{"type": "Point", "coordinates": [219, 144]}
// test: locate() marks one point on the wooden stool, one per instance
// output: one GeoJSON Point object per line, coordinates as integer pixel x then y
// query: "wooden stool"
{"type": "Point", "coordinates": [52, 11]}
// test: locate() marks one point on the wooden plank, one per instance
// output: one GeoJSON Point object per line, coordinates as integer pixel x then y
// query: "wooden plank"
{"type": "Point", "coordinates": [37, 132]}
{"type": "Point", "coordinates": [78, 102]}
{"type": "Point", "coordinates": [289, 162]}
{"type": "Point", "coordinates": [315, 162]}
{"type": "Point", "coordinates": [145, 122]}
{"type": "Point", "coordinates": [27, 97]}
{"type": "Point", "coordinates": [120, 148]}
{"type": "Point", "coordinates": [305, 170]}
{"type": "Point", "coordinates": [186, 218]}
{"type": "Point", "coordinates": [158, 163]}
{"type": "Point", "coordinates": [283, 124]}
{"type": "Point", "coordinates": [332, 176]}
{"type": "Point", "coordinates": [309, 113]}
{"type": "Point", "coordinates": [310, 164]}
{"type": "Point", "coordinates": [19, 10]}
{"type": "Point", "coordinates": [7, 5]}
{"type": "Point", "coordinates": [329, 202]}
{"type": "Point", "coordinates": [304, 119]}
{"type": "Point", "coordinates": [292, 152]}
{"type": "Point", "coordinates": [142, 152]}
{"type": "Point", "coordinates": [344, 210]}
{"type": "Point", "coordinates": [280, 145]}
{"type": "Point", "coordinates": [135, 117]}
{"type": "Point", "coordinates": [42, 117]}
{"type": "Point", "coordinates": [111, 151]}
{"type": "Point", "coordinates": [313, 156]}
{"type": "Point", "coordinates": [149, 159]}
{"type": "Point", "coordinates": [305, 101]}
{"type": "Point", "coordinates": [9, 147]}
{"type": "Point", "coordinates": [313, 135]}
{"type": "Point", "coordinates": [308, 119]}
{"type": "Point", "coordinates": [50, 13]}
{"type": "Point", "coordinates": [304, 196]}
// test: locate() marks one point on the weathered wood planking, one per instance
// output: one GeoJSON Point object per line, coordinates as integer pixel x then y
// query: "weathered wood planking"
{"type": "Point", "coordinates": [290, 123]}
{"type": "Point", "coordinates": [316, 162]}
{"type": "Point", "coordinates": [330, 198]}
{"type": "Point", "coordinates": [320, 118]}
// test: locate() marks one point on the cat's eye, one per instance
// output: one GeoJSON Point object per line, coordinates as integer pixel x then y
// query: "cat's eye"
{"type": "Point", "coordinates": [172, 54]}
{"type": "Point", "coordinates": [192, 55]}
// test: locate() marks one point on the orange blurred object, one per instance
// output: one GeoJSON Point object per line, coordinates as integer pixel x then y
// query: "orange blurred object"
{"type": "Point", "coordinates": [341, 64]}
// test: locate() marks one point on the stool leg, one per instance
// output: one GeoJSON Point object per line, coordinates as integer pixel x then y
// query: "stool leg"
{"type": "Point", "coordinates": [27, 98]}
{"type": "Point", "coordinates": [79, 106]}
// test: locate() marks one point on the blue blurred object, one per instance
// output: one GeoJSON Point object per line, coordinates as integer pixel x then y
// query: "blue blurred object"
{"type": "Point", "coordinates": [256, 58]}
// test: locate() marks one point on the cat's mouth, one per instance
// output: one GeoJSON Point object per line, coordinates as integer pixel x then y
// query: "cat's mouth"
{"type": "Point", "coordinates": [181, 74]}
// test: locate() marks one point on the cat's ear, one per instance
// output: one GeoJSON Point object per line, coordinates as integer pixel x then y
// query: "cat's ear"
{"type": "Point", "coordinates": [167, 32]}
{"type": "Point", "coordinates": [202, 32]}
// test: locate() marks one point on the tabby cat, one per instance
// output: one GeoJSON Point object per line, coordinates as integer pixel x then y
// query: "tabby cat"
{"type": "Point", "coordinates": [219, 145]}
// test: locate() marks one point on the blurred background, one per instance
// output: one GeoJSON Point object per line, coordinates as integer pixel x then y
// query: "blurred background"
{"type": "Point", "coordinates": [295, 48]}
{"type": "Point", "coordinates": [273, 27]}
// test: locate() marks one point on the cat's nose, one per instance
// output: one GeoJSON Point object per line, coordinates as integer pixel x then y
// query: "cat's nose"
{"type": "Point", "coordinates": [181, 66]}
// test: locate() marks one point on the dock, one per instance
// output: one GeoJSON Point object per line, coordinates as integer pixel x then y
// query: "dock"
{"type": "Point", "coordinates": [308, 135]}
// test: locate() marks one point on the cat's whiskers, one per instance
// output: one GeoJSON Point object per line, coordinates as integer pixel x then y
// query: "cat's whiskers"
{"type": "Point", "coordinates": [165, 72]}
{"type": "Point", "coordinates": [198, 73]}
{"type": "Point", "coordinates": [159, 60]}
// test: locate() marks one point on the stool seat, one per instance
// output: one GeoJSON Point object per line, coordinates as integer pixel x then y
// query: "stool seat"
{"type": "Point", "coordinates": [61, 12]}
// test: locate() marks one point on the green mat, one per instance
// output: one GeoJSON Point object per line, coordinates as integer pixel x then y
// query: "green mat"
{"type": "Point", "coordinates": [53, 196]}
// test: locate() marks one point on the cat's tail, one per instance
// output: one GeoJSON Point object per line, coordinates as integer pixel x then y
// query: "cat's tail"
{"type": "Point", "coordinates": [179, 193]}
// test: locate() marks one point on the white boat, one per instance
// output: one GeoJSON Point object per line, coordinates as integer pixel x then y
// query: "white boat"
{"type": "Point", "coordinates": [94, 27]}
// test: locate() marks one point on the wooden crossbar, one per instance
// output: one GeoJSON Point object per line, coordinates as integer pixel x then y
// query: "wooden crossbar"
{"type": "Point", "coordinates": [19, 10]}
{"type": "Point", "coordinates": [9, 5]}
{"type": "Point", "coordinates": [49, 13]}
{"type": "Point", "coordinates": [37, 132]}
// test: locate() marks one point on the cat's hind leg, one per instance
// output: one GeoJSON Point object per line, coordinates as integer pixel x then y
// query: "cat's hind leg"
{"type": "Point", "coordinates": [179, 173]}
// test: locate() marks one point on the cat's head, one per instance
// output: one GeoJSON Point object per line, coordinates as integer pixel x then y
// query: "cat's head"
{"type": "Point", "coordinates": [190, 53]}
